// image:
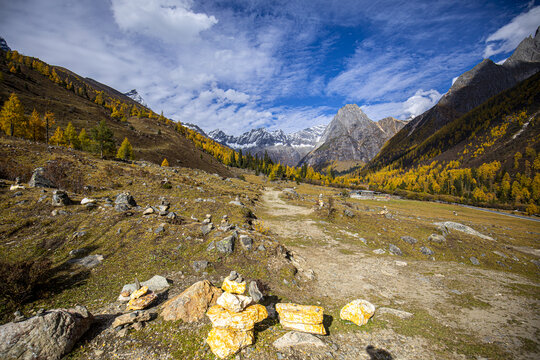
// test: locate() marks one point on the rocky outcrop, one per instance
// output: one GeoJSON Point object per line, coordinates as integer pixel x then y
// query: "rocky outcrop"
{"type": "Point", "coordinates": [47, 336]}
{"type": "Point", "coordinates": [38, 179]}
{"type": "Point", "coordinates": [351, 135]}
{"type": "Point", "coordinates": [191, 305]}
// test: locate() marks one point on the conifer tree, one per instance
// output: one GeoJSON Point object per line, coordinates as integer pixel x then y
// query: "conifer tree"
{"type": "Point", "coordinates": [165, 163]}
{"type": "Point", "coordinates": [125, 151]}
{"type": "Point", "coordinates": [12, 116]}
{"type": "Point", "coordinates": [104, 138]}
{"type": "Point", "coordinates": [36, 126]}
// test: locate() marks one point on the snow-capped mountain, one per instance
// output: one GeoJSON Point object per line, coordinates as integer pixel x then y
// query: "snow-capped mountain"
{"type": "Point", "coordinates": [134, 95]}
{"type": "Point", "coordinates": [287, 149]}
{"type": "Point", "coordinates": [195, 128]}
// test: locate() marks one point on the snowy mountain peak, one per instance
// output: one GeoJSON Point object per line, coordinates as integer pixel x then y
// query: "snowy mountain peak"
{"type": "Point", "coordinates": [134, 95]}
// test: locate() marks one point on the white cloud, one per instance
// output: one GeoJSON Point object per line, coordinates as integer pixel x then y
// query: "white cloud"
{"type": "Point", "coordinates": [408, 109]}
{"type": "Point", "coordinates": [169, 20]}
{"type": "Point", "coordinates": [510, 35]}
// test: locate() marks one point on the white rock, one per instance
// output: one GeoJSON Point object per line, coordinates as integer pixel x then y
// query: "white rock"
{"type": "Point", "coordinates": [88, 201]}
{"type": "Point", "coordinates": [148, 211]}
{"type": "Point", "coordinates": [234, 303]}
{"type": "Point", "coordinates": [399, 313]}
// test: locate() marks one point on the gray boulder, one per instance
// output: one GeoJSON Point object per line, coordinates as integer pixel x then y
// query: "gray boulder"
{"type": "Point", "coordinates": [426, 251]}
{"type": "Point", "coordinates": [60, 198]}
{"type": "Point", "coordinates": [226, 245]}
{"type": "Point", "coordinates": [39, 180]}
{"type": "Point", "coordinates": [474, 260]}
{"type": "Point", "coordinates": [47, 336]}
{"type": "Point", "coordinates": [125, 198]}
{"type": "Point", "coordinates": [409, 239]}
{"type": "Point", "coordinates": [394, 250]}
{"type": "Point", "coordinates": [246, 242]}
{"type": "Point", "coordinates": [463, 228]}
{"type": "Point", "coordinates": [155, 284]}
{"type": "Point", "coordinates": [254, 291]}
{"type": "Point", "coordinates": [348, 213]}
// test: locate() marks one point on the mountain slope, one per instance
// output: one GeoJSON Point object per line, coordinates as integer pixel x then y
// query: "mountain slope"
{"type": "Point", "coordinates": [470, 90]}
{"type": "Point", "coordinates": [351, 136]}
{"type": "Point", "coordinates": [151, 139]}
{"type": "Point", "coordinates": [287, 149]}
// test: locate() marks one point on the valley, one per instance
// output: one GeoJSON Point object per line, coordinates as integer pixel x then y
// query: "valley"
{"type": "Point", "coordinates": [451, 304]}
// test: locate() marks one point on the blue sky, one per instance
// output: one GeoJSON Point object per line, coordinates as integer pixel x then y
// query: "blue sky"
{"type": "Point", "coordinates": [239, 64]}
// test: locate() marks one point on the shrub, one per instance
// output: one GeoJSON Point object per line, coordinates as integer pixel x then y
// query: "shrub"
{"type": "Point", "coordinates": [64, 175]}
{"type": "Point", "coordinates": [22, 279]}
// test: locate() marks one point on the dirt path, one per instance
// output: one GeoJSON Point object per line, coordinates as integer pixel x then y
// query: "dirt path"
{"type": "Point", "coordinates": [441, 289]}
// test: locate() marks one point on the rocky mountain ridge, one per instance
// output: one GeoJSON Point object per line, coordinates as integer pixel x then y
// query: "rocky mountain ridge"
{"type": "Point", "coordinates": [351, 135]}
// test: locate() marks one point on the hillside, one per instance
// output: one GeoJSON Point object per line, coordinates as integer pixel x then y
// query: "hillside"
{"type": "Point", "coordinates": [84, 102]}
{"type": "Point", "coordinates": [470, 90]}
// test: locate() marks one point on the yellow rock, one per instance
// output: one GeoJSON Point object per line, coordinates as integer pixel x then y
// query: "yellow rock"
{"type": "Point", "coordinates": [358, 311]}
{"type": "Point", "coordinates": [309, 328]}
{"type": "Point", "coordinates": [226, 342]}
{"type": "Point", "coordinates": [245, 320]}
{"type": "Point", "coordinates": [138, 293]}
{"type": "Point", "coordinates": [234, 303]}
{"type": "Point", "coordinates": [300, 314]}
{"type": "Point", "coordinates": [141, 302]}
{"type": "Point", "coordinates": [233, 287]}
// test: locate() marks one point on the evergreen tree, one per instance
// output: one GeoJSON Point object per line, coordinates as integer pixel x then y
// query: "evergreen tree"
{"type": "Point", "coordinates": [104, 138]}
{"type": "Point", "coordinates": [36, 125]}
{"type": "Point", "coordinates": [125, 151]}
{"type": "Point", "coordinates": [12, 116]}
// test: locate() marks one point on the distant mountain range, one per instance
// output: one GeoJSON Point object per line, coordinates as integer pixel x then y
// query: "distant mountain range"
{"type": "Point", "coordinates": [287, 149]}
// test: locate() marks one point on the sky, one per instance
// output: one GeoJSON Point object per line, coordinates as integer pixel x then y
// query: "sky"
{"type": "Point", "coordinates": [281, 64]}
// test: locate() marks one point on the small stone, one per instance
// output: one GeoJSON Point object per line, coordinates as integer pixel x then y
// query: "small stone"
{"type": "Point", "coordinates": [233, 275]}
{"type": "Point", "coordinates": [137, 326]}
{"type": "Point", "coordinates": [126, 199]}
{"type": "Point", "coordinates": [261, 248]}
{"type": "Point", "coordinates": [379, 251]}
{"type": "Point", "coordinates": [88, 201]}
{"type": "Point", "coordinates": [78, 252]}
{"type": "Point", "coordinates": [205, 229]}
{"type": "Point", "coordinates": [206, 221]}
{"type": "Point", "coordinates": [426, 251]}
{"type": "Point", "coordinates": [363, 241]}
{"type": "Point", "coordinates": [436, 238]}
{"type": "Point", "coordinates": [148, 211]}
{"type": "Point", "coordinates": [211, 246]}
{"type": "Point", "coordinates": [200, 265]}
{"type": "Point", "coordinates": [254, 291]}
{"type": "Point", "coordinates": [358, 311]}
{"type": "Point", "coordinates": [348, 213]}
{"type": "Point", "coordinates": [394, 250]}
{"type": "Point", "coordinates": [172, 216]}
{"type": "Point", "coordinates": [89, 261]}
{"type": "Point", "coordinates": [160, 229]}
{"type": "Point", "coordinates": [399, 313]}
{"type": "Point", "coordinates": [474, 260]}
{"type": "Point", "coordinates": [226, 245]}
{"type": "Point", "coordinates": [409, 239]}
{"type": "Point", "coordinates": [122, 332]}
{"type": "Point", "coordinates": [400, 263]}
{"type": "Point", "coordinates": [163, 213]}
{"type": "Point", "coordinates": [246, 242]}
{"type": "Point", "coordinates": [60, 198]}
{"type": "Point", "coordinates": [163, 207]}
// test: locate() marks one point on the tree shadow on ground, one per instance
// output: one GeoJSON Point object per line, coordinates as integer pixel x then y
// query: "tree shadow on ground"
{"type": "Point", "coordinates": [378, 354]}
